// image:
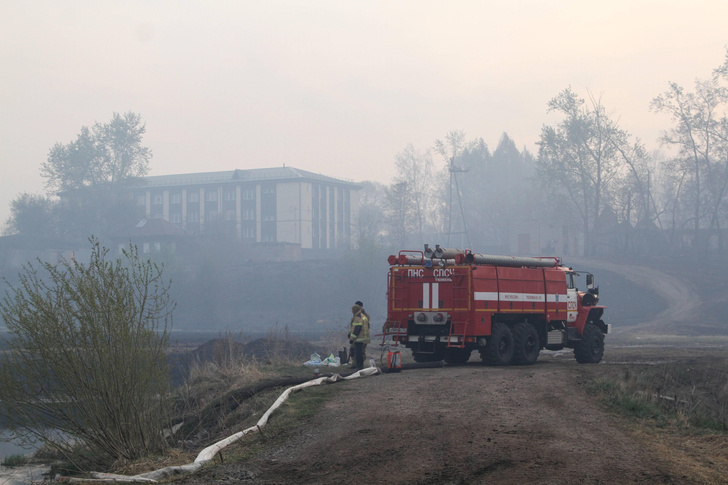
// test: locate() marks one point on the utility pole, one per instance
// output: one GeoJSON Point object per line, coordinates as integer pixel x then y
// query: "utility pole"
{"type": "Point", "coordinates": [454, 181]}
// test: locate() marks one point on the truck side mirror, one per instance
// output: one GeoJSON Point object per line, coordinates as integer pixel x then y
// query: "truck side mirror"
{"type": "Point", "coordinates": [589, 281]}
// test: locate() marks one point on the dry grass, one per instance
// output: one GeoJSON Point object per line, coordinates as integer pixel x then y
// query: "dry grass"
{"type": "Point", "coordinates": [700, 458]}
{"type": "Point", "coordinates": [173, 457]}
{"type": "Point", "coordinates": [214, 377]}
{"type": "Point", "coordinates": [679, 409]}
{"type": "Point", "coordinates": [209, 400]}
{"type": "Point", "coordinates": [690, 395]}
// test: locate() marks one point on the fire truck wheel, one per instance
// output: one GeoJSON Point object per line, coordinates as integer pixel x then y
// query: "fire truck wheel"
{"type": "Point", "coordinates": [590, 348]}
{"type": "Point", "coordinates": [457, 356]}
{"type": "Point", "coordinates": [525, 344]}
{"type": "Point", "coordinates": [499, 349]}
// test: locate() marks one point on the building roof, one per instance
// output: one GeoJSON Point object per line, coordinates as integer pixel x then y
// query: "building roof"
{"type": "Point", "coordinates": [151, 228]}
{"type": "Point", "coordinates": [250, 175]}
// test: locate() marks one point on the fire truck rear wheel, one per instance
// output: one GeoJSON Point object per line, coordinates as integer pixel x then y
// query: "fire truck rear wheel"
{"type": "Point", "coordinates": [457, 356]}
{"type": "Point", "coordinates": [526, 346]}
{"type": "Point", "coordinates": [499, 349]}
{"type": "Point", "coordinates": [590, 348]}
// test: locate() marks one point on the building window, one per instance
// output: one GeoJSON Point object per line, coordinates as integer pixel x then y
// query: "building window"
{"type": "Point", "coordinates": [229, 195]}
{"type": "Point", "coordinates": [269, 189]}
{"type": "Point", "coordinates": [157, 199]}
{"type": "Point", "coordinates": [249, 232]}
{"type": "Point", "coordinates": [269, 218]}
{"type": "Point", "coordinates": [212, 196]}
{"type": "Point", "coordinates": [193, 217]}
{"type": "Point", "coordinates": [141, 200]}
{"type": "Point", "coordinates": [249, 214]}
{"type": "Point", "coordinates": [175, 218]}
{"type": "Point", "coordinates": [230, 215]}
{"type": "Point", "coordinates": [193, 197]}
{"type": "Point", "coordinates": [248, 194]}
{"type": "Point", "coordinates": [211, 216]}
{"type": "Point", "coordinates": [176, 199]}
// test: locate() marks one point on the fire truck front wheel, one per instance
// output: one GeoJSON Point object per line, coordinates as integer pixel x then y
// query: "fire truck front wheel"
{"type": "Point", "coordinates": [526, 346]}
{"type": "Point", "coordinates": [499, 349]}
{"type": "Point", "coordinates": [590, 349]}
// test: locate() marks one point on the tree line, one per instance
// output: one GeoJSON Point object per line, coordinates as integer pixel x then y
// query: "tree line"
{"type": "Point", "coordinates": [86, 181]}
{"type": "Point", "coordinates": [589, 172]}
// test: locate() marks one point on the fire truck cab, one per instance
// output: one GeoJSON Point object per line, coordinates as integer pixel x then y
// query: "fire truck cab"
{"type": "Point", "coordinates": [445, 303]}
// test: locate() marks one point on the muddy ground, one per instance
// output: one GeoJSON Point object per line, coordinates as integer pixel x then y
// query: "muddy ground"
{"type": "Point", "coordinates": [474, 424]}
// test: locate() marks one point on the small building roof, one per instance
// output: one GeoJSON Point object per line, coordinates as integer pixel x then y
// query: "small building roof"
{"type": "Point", "coordinates": [231, 176]}
{"type": "Point", "coordinates": [151, 228]}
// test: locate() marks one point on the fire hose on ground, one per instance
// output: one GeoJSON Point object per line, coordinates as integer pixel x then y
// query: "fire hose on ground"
{"type": "Point", "coordinates": [206, 455]}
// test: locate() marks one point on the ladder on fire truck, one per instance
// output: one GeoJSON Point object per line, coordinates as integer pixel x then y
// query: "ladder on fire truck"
{"type": "Point", "coordinates": [398, 302]}
{"type": "Point", "coordinates": [460, 308]}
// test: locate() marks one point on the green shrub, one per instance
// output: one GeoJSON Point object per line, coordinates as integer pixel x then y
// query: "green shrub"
{"type": "Point", "coordinates": [86, 371]}
{"type": "Point", "coordinates": [15, 460]}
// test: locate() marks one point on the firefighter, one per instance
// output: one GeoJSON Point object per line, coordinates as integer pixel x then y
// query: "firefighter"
{"type": "Point", "coordinates": [352, 350]}
{"type": "Point", "coordinates": [359, 334]}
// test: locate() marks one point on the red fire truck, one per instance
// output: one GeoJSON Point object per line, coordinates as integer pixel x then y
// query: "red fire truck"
{"type": "Point", "coordinates": [445, 303]}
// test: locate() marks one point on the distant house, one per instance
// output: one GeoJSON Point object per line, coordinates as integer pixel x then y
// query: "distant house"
{"type": "Point", "coordinates": [281, 205]}
{"type": "Point", "coordinates": [15, 251]}
{"type": "Point", "coordinates": [151, 236]}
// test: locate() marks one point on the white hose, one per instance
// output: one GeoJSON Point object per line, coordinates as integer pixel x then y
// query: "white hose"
{"type": "Point", "coordinates": [206, 455]}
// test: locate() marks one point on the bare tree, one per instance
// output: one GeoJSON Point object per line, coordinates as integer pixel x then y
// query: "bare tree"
{"type": "Point", "coordinates": [399, 213]}
{"type": "Point", "coordinates": [578, 158]}
{"type": "Point", "coordinates": [371, 219]}
{"type": "Point", "coordinates": [415, 169]}
{"type": "Point", "coordinates": [700, 135]}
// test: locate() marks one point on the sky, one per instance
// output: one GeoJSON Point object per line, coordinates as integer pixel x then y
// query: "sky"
{"type": "Point", "coordinates": [335, 87]}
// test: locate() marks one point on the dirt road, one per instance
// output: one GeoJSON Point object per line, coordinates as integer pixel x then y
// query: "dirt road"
{"type": "Point", "coordinates": [680, 298]}
{"type": "Point", "coordinates": [467, 424]}
{"type": "Point", "coordinates": [477, 424]}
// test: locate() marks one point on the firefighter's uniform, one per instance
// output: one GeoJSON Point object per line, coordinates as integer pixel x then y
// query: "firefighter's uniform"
{"type": "Point", "coordinates": [359, 334]}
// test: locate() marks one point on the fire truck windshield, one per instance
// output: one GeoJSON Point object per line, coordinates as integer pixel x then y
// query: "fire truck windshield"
{"type": "Point", "coordinates": [570, 280]}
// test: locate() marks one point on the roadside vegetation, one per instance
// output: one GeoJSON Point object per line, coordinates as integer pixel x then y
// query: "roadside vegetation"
{"type": "Point", "coordinates": [226, 377]}
{"type": "Point", "coordinates": [225, 387]}
{"type": "Point", "coordinates": [85, 367]}
{"type": "Point", "coordinates": [686, 396]}
{"type": "Point", "coordinates": [86, 361]}
{"type": "Point", "coordinates": [678, 408]}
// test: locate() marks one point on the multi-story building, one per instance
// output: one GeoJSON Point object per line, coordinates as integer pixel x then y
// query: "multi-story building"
{"type": "Point", "coordinates": [281, 204]}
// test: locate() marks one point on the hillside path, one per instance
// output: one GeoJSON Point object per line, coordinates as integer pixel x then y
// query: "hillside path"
{"type": "Point", "coordinates": [679, 296]}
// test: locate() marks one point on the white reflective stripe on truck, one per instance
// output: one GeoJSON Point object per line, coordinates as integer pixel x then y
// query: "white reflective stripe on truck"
{"type": "Point", "coordinates": [435, 287]}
